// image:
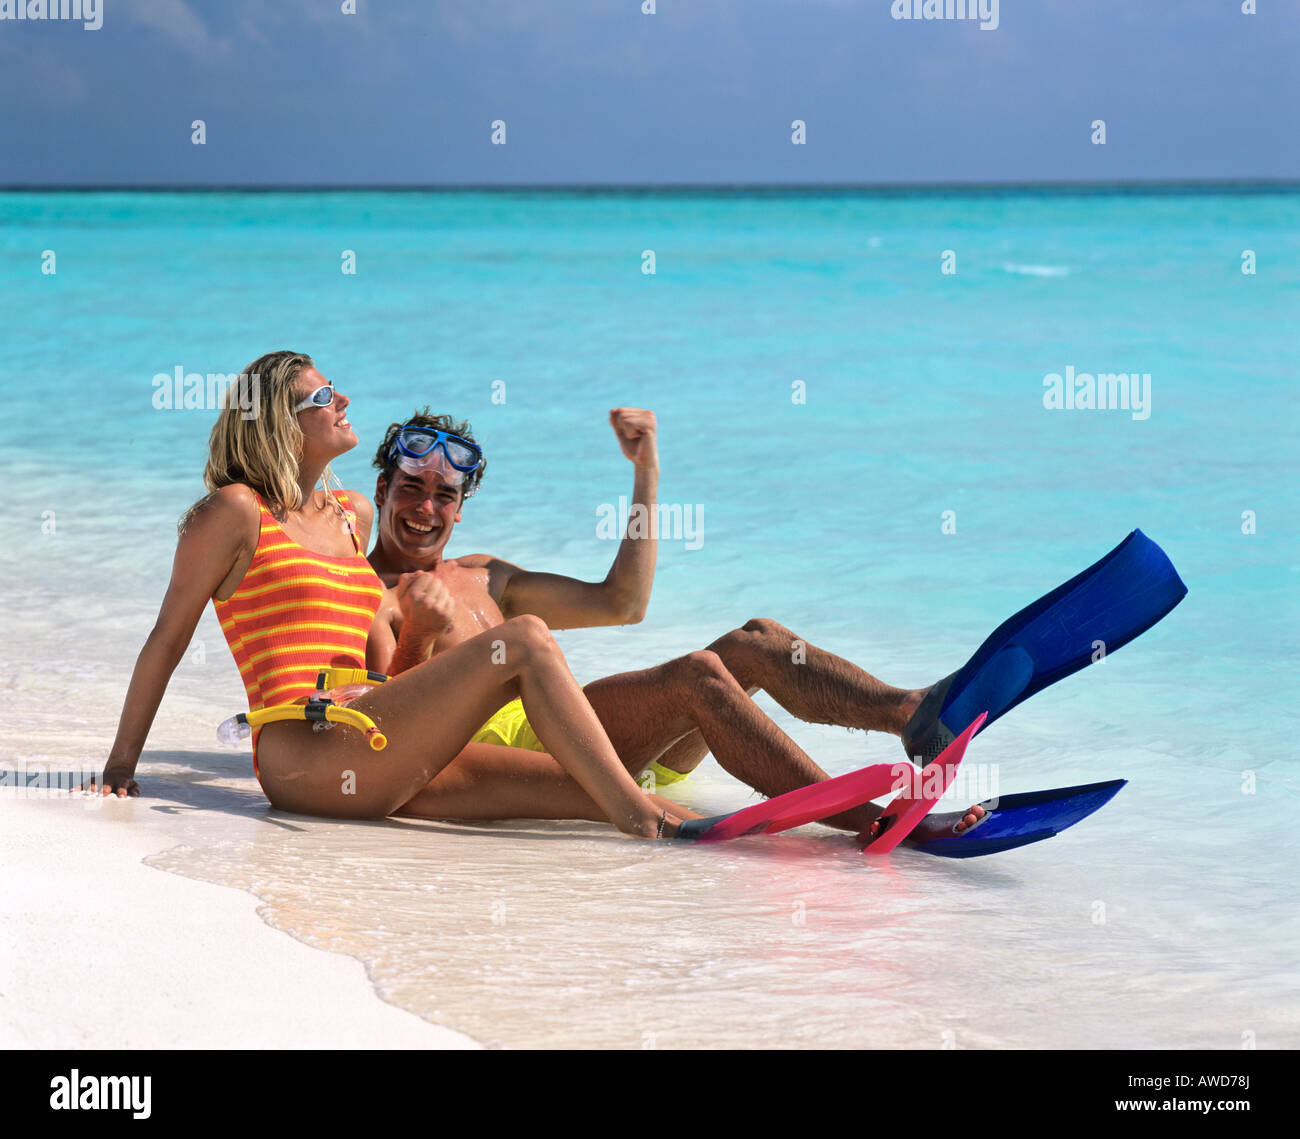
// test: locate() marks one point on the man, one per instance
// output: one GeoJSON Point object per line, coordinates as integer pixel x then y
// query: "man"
{"type": "Point", "coordinates": [663, 719]}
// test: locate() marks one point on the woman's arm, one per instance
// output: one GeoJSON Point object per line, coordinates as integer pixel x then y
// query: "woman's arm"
{"type": "Point", "coordinates": [217, 533]}
{"type": "Point", "coordinates": [382, 638]}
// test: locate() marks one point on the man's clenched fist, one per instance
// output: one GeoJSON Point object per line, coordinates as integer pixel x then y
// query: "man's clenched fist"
{"type": "Point", "coordinates": [637, 434]}
{"type": "Point", "coordinates": [427, 605]}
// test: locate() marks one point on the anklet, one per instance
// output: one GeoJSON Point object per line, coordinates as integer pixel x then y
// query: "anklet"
{"type": "Point", "coordinates": [663, 819]}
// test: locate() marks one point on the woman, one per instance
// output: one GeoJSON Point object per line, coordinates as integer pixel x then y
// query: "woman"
{"type": "Point", "coordinates": [284, 565]}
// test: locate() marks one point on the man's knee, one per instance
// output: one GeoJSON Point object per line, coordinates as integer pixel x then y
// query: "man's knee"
{"type": "Point", "coordinates": [753, 634]}
{"type": "Point", "coordinates": [764, 628]}
{"type": "Point", "coordinates": [752, 650]}
{"type": "Point", "coordinates": [696, 669]}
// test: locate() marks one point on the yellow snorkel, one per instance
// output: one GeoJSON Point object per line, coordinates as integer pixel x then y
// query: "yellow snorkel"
{"type": "Point", "coordinates": [320, 709]}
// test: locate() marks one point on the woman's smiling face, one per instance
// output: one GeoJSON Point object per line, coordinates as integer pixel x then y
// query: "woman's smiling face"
{"type": "Point", "coordinates": [326, 431]}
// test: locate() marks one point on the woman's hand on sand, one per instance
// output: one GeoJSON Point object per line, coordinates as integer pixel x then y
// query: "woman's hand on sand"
{"type": "Point", "coordinates": [120, 782]}
{"type": "Point", "coordinates": [116, 781]}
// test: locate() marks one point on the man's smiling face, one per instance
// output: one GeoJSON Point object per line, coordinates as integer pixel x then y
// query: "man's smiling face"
{"type": "Point", "coordinates": [417, 513]}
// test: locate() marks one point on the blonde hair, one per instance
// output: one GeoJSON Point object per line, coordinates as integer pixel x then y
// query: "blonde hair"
{"type": "Point", "coordinates": [256, 439]}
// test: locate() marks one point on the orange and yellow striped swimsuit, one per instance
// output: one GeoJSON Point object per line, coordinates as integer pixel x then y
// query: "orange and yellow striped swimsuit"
{"type": "Point", "coordinates": [295, 612]}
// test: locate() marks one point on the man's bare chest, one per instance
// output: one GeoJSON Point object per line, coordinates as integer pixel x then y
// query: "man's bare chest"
{"type": "Point", "coordinates": [475, 611]}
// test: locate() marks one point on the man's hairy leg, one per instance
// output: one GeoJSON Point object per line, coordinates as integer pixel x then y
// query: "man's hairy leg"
{"type": "Point", "coordinates": [810, 683]}
{"type": "Point", "coordinates": [693, 701]}
{"type": "Point", "coordinates": [687, 753]}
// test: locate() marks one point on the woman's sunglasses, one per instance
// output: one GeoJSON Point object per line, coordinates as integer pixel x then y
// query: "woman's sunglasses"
{"type": "Point", "coordinates": [323, 396]}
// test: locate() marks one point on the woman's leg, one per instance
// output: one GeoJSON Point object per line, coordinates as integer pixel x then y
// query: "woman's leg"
{"type": "Point", "coordinates": [429, 714]}
{"type": "Point", "coordinates": [488, 781]}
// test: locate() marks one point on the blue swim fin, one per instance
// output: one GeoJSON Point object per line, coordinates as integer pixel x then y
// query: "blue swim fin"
{"type": "Point", "coordinates": [1017, 820]}
{"type": "Point", "coordinates": [1108, 605]}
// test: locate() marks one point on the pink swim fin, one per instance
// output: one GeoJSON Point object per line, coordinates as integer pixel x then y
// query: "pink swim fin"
{"type": "Point", "coordinates": [913, 803]}
{"type": "Point", "coordinates": [804, 805]}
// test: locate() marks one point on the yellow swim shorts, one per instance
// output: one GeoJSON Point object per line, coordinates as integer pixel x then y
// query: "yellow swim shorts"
{"type": "Point", "coordinates": [509, 726]}
{"type": "Point", "coordinates": [666, 775]}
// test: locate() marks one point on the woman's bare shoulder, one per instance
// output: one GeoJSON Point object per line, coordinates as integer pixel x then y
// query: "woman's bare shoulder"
{"type": "Point", "coordinates": [235, 506]}
{"type": "Point", "coordinates": [360, 504]}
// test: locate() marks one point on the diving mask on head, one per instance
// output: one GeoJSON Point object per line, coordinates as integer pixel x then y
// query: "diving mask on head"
{"type": "Point", "coordinates": [419, 449]}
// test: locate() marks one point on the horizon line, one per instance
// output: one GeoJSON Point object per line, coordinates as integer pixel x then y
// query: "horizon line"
{"type": "Point", "coordinates": [1066, 186]}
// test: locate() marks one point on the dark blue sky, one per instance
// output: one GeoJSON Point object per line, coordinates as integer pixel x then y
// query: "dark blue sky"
{"type": "Point", "coordinates": [593, 91]}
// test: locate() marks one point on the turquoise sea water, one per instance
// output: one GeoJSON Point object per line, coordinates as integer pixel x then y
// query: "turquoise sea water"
{"type": "Point", "coordinates": [922, 393]}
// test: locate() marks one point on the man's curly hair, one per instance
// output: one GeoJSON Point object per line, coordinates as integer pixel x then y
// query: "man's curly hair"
{"type": "Point", "coordinates": [426, 418]}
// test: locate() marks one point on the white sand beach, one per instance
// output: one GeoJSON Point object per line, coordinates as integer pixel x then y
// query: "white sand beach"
{"type": "Point", "coordinates": [100, 950]}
